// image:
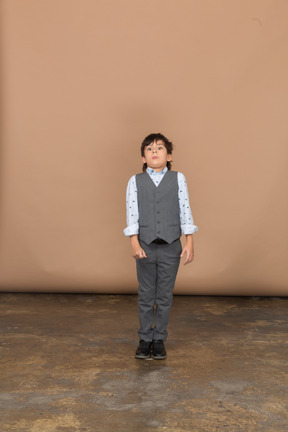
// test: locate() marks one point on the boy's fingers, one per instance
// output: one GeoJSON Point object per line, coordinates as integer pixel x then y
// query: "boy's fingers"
{"type": "Point", "coordinates": [189, 256]}
{"type": "Point", "coordinates": [142, 254]}
{"type": "Point", "coordinates": [188, 259]}
{"type": "Point", "coordinates": [183, 253]}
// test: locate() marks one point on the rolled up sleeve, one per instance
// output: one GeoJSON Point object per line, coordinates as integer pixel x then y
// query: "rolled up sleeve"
{"type": "Point", "coordinates": [132, 212]}
{"type": "Point", "coordinates": [186, 218]}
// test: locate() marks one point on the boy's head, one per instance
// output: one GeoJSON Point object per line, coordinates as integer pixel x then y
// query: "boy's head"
{"type": "Point", "coordinates": [156, 152]}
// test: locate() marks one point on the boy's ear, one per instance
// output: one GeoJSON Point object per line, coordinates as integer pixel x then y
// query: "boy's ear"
{"type": "Point", "coordinates": [143, 159]}
{"type": "Point", "coordinates": [169, 157]}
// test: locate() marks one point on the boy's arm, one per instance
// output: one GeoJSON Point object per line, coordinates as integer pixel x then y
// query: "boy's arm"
{"type": "Point", "coordinates": [188, 249]}
{"type": "Point", "coordinates": [132, 213]}
{"type": "Point", "coordinates": [137, 251]}
{"type": "Point", "coordinates": [186, 218]}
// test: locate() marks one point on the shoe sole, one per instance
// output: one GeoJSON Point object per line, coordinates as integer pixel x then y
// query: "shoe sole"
{"type": "Point", "coordinates": [141, 357]}
{"type": "Point", "coordinates": [159, 357]}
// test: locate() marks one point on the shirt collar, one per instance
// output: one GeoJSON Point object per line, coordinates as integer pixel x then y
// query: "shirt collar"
{"type": "Point", "coordinates": [150, 171]}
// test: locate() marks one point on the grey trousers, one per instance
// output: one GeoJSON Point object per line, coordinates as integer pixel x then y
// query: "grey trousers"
{"type": "Point", "coordinates": [156, 276]}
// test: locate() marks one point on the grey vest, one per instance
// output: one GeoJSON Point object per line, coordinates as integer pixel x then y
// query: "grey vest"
{"type": "Point", "coordinates": [159, 215]}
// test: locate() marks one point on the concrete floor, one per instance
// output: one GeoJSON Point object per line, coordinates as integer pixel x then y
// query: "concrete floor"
{"type": "Point", "coordinates": [67, 364]}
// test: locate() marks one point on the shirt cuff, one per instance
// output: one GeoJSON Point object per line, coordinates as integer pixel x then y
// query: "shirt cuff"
{"type": "Point", "coordinates": [189, 229]}
{"type": "Point", "coordinates": [131, 230]}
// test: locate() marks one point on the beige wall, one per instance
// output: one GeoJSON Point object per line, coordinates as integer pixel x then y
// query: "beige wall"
{"type": "Point", "coordinates": [85, 81]}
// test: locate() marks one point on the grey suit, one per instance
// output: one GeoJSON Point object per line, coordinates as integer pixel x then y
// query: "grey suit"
{"type": "Point", "coordinates": [159, 220]}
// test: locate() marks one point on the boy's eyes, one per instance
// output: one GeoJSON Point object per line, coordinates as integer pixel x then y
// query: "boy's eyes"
{"type": "Point", "coordinates": [159, 148]}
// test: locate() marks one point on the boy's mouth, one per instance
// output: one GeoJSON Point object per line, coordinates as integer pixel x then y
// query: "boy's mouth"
{"type": "Point", "coordinates": [155, 157]}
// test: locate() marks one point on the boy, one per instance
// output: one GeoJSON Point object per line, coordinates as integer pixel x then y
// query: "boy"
{"type": "Point", "coordinates": [158, 210]}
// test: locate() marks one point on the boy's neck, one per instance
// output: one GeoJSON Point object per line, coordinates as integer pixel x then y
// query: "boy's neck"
{"type": "Point", "coordinates": [157, 169]}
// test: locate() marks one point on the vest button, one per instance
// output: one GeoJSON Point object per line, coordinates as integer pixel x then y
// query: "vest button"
{"type": "Point", "coordinates": [158, 222]}
{"type": "Point", "coordinates": [158, 212]}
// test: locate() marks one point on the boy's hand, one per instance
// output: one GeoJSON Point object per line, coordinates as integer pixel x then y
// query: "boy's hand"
{"type": "Point", "coordinates": [137, 251]}
{"type": "Point", "coordinates": [188, 249]}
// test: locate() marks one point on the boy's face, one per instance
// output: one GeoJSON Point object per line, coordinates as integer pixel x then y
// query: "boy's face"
{"type": "Point", "coordinates": [156, 156]}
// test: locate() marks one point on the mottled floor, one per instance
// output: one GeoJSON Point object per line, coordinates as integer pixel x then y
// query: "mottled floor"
{"type": "Point", "coordinates": [67, 364]}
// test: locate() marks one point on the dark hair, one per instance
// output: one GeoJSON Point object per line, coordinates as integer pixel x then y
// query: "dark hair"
{"type": "Point", "coordinates": [155, 137]}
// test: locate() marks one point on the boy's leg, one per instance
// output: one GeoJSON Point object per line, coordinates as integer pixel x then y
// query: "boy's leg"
{"type": "Point", "coordinates": [168, 258]}
{"type": "Point", "coordinates": [146, 275]}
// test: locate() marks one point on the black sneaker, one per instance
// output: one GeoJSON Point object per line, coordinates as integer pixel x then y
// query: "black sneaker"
{"type": "Point", "coordinates": [158, 350]}
{"type": "Point", "coordinates": [143, 350]}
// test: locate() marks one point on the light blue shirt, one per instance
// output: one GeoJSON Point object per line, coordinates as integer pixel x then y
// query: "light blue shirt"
{"type": "Point", "coordinates": [132, 212]}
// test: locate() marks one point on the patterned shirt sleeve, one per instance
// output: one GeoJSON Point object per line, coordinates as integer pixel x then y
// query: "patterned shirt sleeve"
{"type": "Point", "coordinates": [132, 212]}
{"type": "Point", "coordinates": [186, 218]}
